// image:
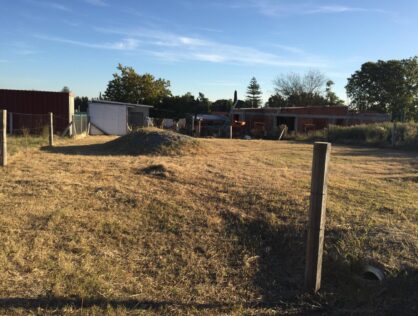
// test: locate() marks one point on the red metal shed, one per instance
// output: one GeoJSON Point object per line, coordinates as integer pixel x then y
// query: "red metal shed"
{"type": "Point", "coordinates": [29, 109]}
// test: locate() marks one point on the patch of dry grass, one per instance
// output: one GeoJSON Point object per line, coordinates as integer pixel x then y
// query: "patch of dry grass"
{"type": "Point", "coordinates": [221, 230]}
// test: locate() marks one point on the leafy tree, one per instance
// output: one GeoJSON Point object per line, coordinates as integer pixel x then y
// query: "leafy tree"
{"type": "Point", "coordinates": [81, 103]}
{"type": "Point", "coordinates": [330, 95]}
{"type": "Point", "coordinates": [203, 104]}
{"type": "Point", "coordinates": [175, 106]}
{"type": "Point", "coordinates": [253, 94]}
{"type": "Point", "coordinates": [128, 86]}
{"type": "Point", "coordinates": [221, 105]}
{"type": "Point", "coordinates": [65, 89]}
{"type": "Point", "coordinates": [276, 101]}
{"type": "Point", "coordinates": [297, 90]}
{"type": "Point", "coordinates": [387, 87]}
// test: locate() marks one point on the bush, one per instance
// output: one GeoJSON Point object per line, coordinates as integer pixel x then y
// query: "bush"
{"type": "Point", "coordinates": [378, 134]}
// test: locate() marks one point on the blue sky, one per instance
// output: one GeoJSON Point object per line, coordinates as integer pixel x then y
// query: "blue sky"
{"type": "Point", "coordinates": [210, 46]}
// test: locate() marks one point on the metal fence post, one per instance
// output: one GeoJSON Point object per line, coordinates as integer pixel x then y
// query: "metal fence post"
{"type": "Point", "coordinates": [316, 224]}
{"type": "Point", "coordinates": [51, 129]}
{"type": "Point", "coordinates": [3, 140]}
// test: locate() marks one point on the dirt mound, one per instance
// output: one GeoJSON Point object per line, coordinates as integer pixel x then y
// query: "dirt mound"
{"type": "Point", "coordinates": [149, 141]}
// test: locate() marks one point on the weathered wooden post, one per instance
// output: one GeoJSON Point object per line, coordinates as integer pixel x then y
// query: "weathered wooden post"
{"type": "Point", "coordinates": [199, 128]}
{"type": "Point", "coordinates": [230, 131]}
{"type": "Point", "coordinates": [317, 210]}
{"type": "Point", "coordinates": [51, 129]}
{"type": "Point", "coordinates": [3, 140]}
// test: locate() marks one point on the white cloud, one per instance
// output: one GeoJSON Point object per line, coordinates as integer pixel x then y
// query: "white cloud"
{"type": "Point", "coordinates": [124, 44]}
{"type": "Point", "coordinates": [174, 47]}
{"type": "Point", "coordinates": [51, 5]}
{"type": "Point", "coordinates": [281, 8]}
{"type": "Point", "coordinates": [99, 3]}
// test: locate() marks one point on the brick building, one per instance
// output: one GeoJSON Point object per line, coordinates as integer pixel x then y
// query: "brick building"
{"type": "Point", "coordinates": [266, 121]}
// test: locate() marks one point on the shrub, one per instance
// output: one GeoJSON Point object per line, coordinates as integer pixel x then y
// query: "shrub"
{"type": "Point", "coordinates": [378, 134]}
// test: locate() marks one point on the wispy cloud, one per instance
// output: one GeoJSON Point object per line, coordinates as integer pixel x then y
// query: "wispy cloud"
{"type": "Point", "coordinates": [171, 46]}
{"type": "Point", "coordinates": [51, 5]}
{"type": "Point", "coordinates": [126, 44]}
{"type": "Point", "coordinates": [282, 8]}
{"type": "Point", "coordinates": [99, 3]}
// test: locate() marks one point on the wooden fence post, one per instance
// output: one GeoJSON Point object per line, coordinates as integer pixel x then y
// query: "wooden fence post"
{"type": "Point", "coordinates": [3, 140]}
{"type": "Point", "coordinates": [316, 224]}
{"type": "Point", "coordinates": [199, 128]}
{"type": "Point", "coordinates": [51, 129]}
{"type": "Point", "coordinates": [230, 131]}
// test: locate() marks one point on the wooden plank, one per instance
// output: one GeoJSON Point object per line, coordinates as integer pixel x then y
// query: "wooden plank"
{"type": "Point", "coordinates": [316, 224]}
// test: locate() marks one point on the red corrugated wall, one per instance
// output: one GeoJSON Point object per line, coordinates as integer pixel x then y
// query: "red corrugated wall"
{"type": "Point", "coordinates": [38, 103]}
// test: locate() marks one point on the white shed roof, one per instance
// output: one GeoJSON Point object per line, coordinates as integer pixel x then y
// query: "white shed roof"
{"type": "Point", "coordinates": [121, 103]}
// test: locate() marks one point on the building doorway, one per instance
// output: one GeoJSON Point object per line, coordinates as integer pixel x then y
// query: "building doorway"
{"type": "Point", "coordinates": [288, 121]}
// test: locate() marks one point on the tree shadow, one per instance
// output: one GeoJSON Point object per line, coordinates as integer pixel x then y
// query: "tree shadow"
{"type": "Point", "coordinates": [278, 260]}
{"type": "Point", "coordinates": [55, 303]}
{"type": "Point", "coordinates": [85, 150]}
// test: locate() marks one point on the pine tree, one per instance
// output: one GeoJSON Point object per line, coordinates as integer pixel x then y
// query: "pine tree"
{"type": "Point", "coordinates": [254, 94]}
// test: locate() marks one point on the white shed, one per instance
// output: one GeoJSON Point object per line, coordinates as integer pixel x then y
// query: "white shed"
{"type": "Point", "coordinates": [116, 118]}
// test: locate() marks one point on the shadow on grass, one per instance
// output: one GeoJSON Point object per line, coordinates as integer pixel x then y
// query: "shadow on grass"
{"type": "Point", "coordinates": [275, 252]}
{"type": "Point", "coordinates": [277, 257]}
{"type": "Point", "coordinates": [86, 150]}
{"type": "Point", "coordinates": [78, 303]}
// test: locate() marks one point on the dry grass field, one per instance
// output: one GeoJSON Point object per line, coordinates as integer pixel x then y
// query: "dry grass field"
{"type": "Point", "coordinates": [219, 230]}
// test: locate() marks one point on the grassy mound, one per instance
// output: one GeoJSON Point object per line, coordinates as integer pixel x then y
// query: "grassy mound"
{"type": "Point", "coordinates": [152, 141]}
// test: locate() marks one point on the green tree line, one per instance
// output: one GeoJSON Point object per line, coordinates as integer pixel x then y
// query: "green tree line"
{"type": "Point", "coordinates": [383, 86]}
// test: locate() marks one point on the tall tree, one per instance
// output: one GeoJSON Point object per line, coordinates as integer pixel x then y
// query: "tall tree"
{"type": "Point", "coordinates": [129, 86]}
{"type": "Point", "coordinates": [81, 103]}
{"type": "Point", "coordinates": [65, 89]}
{"type": "Point", "coordinates": [297, 90]}
{"type": "Point", "coordinates": [176, 106]}
{"type": "Point", "coordinates": [276, 101]}
{"type": "Point", "coordinates": [386, 86]}
{"type": "Point", "coordinates": [330, 95]}
{"type": "Point", "coordinates": [254, 93]}
{"type": "Point", "coordinates": [222, 105]}
{"type": "Point", "coordinates": [203, 104]}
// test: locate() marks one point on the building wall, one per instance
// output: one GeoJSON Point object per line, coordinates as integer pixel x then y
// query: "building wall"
{"type": "Point", "coordinates": [302, 119]}
{"type": "Point", "coordinates": [110, 118]}
{"type": "Point", "coordinates": [37, 104]}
